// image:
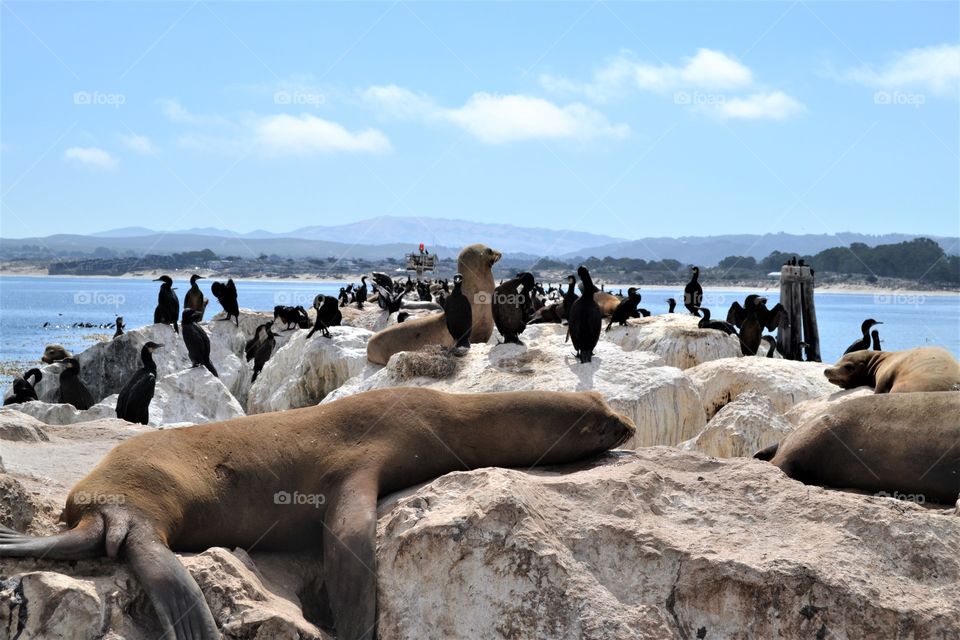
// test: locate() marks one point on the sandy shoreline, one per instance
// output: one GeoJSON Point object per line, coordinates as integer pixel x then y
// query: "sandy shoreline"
{"type": "Point", "coordinates": [772, 287]}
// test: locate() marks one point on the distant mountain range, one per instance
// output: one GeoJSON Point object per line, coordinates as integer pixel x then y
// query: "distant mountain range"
{"type": "Point", "coordinates": [389, 236]}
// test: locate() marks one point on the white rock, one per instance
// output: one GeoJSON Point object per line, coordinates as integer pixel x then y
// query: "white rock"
{"type": "Point", "coordinates": [303, 372]}
{"type": "Point", "coordinates": [808, 409]}
{"type": "Point", "coordinates": [57, 413]}
{"type": "Point", "coordinates": [100, 600]}
{"type": "Point", "coordinates": [676, 337]}
{"type": "Point", "coordinates": [18, 426]}
{"type": "Point", "coordinates": [193, 396]}
{"type": "Point", "coordinates": [661, 544]}
{"type": "Point", "coordinates": [660, 400]}
{"type": "Point", "coordinates": [741, 428]}
{"type": "Point", "coordinates": [784, 382]}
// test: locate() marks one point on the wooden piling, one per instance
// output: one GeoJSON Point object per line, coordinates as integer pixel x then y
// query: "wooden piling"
{"type": "Point", "coordinates": [799, 327]}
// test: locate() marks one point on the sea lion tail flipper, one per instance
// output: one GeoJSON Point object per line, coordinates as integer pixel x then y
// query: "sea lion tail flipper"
{"type": "Point", "coordinates": [83, 541]}
{"type": "Point", "coordinates": [175, 595]}
{"type": "Point", "coordinates": [767, 453]}
{"type": "Point", "coordinates": [349, 558]}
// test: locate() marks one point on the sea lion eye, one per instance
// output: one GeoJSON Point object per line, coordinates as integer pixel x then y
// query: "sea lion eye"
{"type": "Point", "coordinates": [849, 365]}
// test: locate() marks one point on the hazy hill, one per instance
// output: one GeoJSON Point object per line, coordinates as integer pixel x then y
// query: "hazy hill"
{"type": "Point", "coordinates": [390, 236]}
{"type": "Point", "coordinates": [709, 250]}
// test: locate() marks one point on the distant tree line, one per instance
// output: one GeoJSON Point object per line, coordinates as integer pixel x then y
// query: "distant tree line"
{"type": "Point", "coordinates": [920, 259]}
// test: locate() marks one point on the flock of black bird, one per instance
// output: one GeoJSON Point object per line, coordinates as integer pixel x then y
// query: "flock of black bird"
{"type": "Point", "coordinates": [516, 303]}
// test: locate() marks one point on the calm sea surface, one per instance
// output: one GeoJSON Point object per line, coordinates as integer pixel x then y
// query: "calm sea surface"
{"type": "Point", "coordinates": [27, 303]}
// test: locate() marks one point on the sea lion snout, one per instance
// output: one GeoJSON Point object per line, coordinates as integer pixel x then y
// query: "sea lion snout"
{"type": "Point", "coordinates": [620, 429]}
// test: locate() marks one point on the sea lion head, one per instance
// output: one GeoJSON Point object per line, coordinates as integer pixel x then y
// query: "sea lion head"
{"type": "Point", "coordinates": [54, 353]}
{"type": "Point", "coordinates": [852, 370]}
{"type": "Point", "coordinates": [582, 425]}
{"type": "Point", "coordinates": [478, 257]}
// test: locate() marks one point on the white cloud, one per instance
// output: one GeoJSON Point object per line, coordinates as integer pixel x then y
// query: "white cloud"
{"type": "Point", "coordinates": [94, 157]}
{"type": "Point", "coordinates": [760, 106]}
{"type": "Point", "coordinates": [307, 134]}
{"type": "Point", "coordinates": [498, 119]}
{"type": "Point", "coordinates": [710, 81]}
{"type": "Point", "coordinates": [176, 112]}
{"type": "Point", "coordinates": [396, 102]}
{"type": "Point", "coordinates": [706, 70]}
{"type": "Point", "coordinates": [140, 144]}
{"type": "Point", "coordinates": [935, 69]}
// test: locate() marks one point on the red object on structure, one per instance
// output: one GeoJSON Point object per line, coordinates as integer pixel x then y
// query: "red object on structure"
{"type": "Point", "coordinates": [421, 247]}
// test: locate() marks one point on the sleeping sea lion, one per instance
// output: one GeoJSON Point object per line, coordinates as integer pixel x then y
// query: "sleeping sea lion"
{"type": "Point", "coordinates": [607, 302]}
{"type": "Point", "coordinates": [304, 478]}
{"type": "Point", "coordinates": [921, 369]}
{"type": "Point", "coordinates": [899, 444]}
{"type": "Point", "coordinates": [475, 264]}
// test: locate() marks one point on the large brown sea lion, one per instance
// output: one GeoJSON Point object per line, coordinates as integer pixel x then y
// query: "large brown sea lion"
{"type": "Point", "coordinates": [903, 444]}
{"type": "Point", "coordinates": [475, 264]}
{"type": "Point", "coordinates": [921, 369]}
{"type": "Point", "coordinates": [304, 478]}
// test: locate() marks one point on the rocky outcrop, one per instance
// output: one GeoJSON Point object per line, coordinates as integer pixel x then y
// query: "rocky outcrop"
{"type": "Point", "coordinates": [741, 428]}
{"type": "Point", "coordinates": [660, 400]}
{"type": "Point", "coordinates": [676, 338]}
{"type": "Point", "coordinates": [192, 396]}
{"type": "Point", "coordinates": [17, 426]}
{"type": "Point", "coordinates": [106, 366]}
{"type": "Point", "coordinates": [304, 371]}
{"type": "Point", "coordinates": [784, 382]}
{"type": "Point", "coordinates": [657, 543]}
{"type": "Point", "coordinates": [662, 544]}
{"type": "Point", "coordinates": [58, 413]}
{"type": "Point", "coordinates": [100, 598]}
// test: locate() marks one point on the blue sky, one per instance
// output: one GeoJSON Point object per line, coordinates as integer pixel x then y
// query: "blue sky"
{"type": "Point", "coordinates": [625, 119]}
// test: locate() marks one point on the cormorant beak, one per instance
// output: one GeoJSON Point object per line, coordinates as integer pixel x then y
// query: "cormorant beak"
{"type": "Point", "coordinates": [158, 279]}
{"type": "Point", "coordinates": [877, 323]}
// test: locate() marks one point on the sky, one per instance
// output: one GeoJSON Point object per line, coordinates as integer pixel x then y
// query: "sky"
{"type": "Point", "coordinates": [625, 119]}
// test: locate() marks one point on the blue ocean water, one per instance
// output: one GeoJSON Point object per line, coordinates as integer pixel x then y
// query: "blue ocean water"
{"type": "Point", "coordinates": [28, 302]}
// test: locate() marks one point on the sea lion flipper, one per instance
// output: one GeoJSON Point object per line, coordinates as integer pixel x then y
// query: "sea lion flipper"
{"type": "Point", "coordinates": [175, 595]}
{"type": "Point", "coordinates": [350, 560]}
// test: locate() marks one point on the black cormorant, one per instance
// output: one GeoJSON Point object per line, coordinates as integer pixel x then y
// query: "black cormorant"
{"type": "Point", "coordinates": [133, 403]}
{"type": "Point", "coordinates": [168, 306]}
{"type": "Point", "coordinates": [586, 320]}
{"type": "Point", "coordinates": [23, 390]}
{"type": "Point", "coordinates": [72, 389]}
{"type": "Point", "coordinates": [458, 315]}
{"type": "Point", "coordinates": [226, 295]}
{"type": "Point", "coordinates": [197, 341]}
{"type": "Point", "coordinates": [513, 306]}
{"type": "Point", "coordinates": [864, 342]}
{"type": "Point", "coordinates": [693, 292]}
{"type": "Point", "coordinates": [194, 299]}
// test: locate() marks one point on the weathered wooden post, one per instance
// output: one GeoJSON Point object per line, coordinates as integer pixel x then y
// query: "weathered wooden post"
{"type": "Point", "coordinates": [799, 328]}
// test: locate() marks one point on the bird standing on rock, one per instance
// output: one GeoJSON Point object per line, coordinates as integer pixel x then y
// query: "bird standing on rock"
{"type": "Point", "coordinates": [168, 305]}
{"type": "Point", "coordinates": [693, 292]}
{"type": "Point", "coordinates": [458, 314]}
{"type": "Point", "coordinates": [197, 341]}
{"type": "Point", "coordinates": [194, 297]}
{"type": "Point", "coordinates": [72, 390]}
{"type": "Point", "coordinates": [133, 403]}
{"type": "Point", "coordinates": [226, 295]}
{"type": "Point", "coordinates": [586, 319]}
